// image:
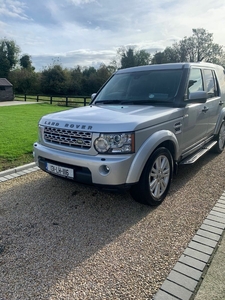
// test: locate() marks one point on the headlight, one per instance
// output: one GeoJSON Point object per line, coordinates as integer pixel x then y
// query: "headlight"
{"type": "Point", "coordinates": [115, 143]}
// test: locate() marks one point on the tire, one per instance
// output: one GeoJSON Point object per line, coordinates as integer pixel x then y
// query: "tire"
{"type": "Point", "coordinates": [155, 180]}
{"type": "Point", "coordinates": [220, 138]}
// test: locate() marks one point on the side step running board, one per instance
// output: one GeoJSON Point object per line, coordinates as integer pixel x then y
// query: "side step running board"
{"type": "Point", "coordinates": [192, 158]}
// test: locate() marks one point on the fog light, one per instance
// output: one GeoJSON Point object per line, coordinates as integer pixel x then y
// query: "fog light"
{"type": "Point", "coordinates": [104, 170]}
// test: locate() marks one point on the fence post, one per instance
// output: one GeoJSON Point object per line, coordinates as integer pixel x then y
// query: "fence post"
{"type": "Point", "coordinates": [66, 101]}
{"type": "Point", "coordinates": [25, 97]}
{"type": "Point", "coordinates": [50, 99]}
{"type": "Point", "coordinates": [85, 101]}
{"type": "Point", "coordinates": [37, 98]}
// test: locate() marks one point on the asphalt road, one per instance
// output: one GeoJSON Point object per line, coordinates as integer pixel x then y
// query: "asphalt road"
{"type": "Point", "coordinates": [62, 240]}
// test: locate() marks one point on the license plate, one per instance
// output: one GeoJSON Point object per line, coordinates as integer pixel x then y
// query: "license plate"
{"type": "Point", "coordinates": [60, 171]}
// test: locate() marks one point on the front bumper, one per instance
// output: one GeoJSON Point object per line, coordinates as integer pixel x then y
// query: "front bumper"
{"type": "Point", "coordinates": [109, 170]}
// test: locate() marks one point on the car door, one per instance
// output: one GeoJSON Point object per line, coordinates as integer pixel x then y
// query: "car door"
{"type": "Point", "coordinates": [214, 102]}
{"type": "Point", "coordinates": [196, 115]}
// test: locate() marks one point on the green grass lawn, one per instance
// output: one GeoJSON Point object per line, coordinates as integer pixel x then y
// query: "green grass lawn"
{"type": "Point", "coordinates": [19, 130]}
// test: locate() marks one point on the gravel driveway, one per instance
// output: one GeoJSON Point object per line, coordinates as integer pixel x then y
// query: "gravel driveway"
{"type": "Point", "coordinates": [62, 240]}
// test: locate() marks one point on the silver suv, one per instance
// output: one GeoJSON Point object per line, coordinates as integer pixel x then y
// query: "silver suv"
{"type": "Point", "coordinates": [139, 127]}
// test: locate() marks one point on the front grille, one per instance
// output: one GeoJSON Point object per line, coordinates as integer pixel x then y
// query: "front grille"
{"type": "Point", "coordinates": [69, 138]}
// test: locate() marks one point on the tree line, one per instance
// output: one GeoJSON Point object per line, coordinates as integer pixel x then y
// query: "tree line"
{"type": "Point", "coordinates": [56, 80]}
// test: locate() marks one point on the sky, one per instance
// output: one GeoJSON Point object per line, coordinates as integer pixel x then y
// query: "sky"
{"type": "Point", "coordinates": [89, 32]}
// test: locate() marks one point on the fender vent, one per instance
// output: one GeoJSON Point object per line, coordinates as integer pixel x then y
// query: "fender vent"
{"type": "Point", "coordinates": [177, 127]}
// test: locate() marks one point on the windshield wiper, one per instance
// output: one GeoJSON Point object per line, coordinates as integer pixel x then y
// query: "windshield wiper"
{"type": "Point", "coordinates": [144, 102]}
{"type": "Point", "coordinates": [108, 102]}
{"type": "Point", "coordinates": [135, 102]}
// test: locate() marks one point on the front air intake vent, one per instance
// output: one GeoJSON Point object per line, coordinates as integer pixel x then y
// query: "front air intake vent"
{"type": "Point", "coordinates": [68, 138]}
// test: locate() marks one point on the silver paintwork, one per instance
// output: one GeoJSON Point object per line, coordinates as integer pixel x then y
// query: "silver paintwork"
{"type": "Point", "coordinates": [185, 127]}
{"type": "Point", "coordinates": [118, 164]}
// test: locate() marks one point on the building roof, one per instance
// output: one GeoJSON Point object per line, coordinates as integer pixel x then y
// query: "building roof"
{"type": "Point", "coordinates": [4, 82]}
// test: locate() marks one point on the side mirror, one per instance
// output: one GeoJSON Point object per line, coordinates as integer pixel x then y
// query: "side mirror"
{"type": "Point", "coordinates": [93, 96]}
{"type": "Point", "coordinates": [197, 97]}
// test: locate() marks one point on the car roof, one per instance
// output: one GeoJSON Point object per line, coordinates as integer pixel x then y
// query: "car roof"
{"type": "Point", "coordinates": [169, 66]}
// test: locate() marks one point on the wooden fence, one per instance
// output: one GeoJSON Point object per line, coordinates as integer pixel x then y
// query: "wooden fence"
{"type": "Point", "coordinates": [67, 100]}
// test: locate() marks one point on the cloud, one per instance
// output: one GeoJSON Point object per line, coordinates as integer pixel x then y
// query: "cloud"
{"type": "Point", "coordinates": [13, 9]}
{"type": "Point", "coordinates": [90, 31]}
{"type": "Point", "coordinates": [81, 2]}
{"type": "Point", "coordinates": [81, 57]}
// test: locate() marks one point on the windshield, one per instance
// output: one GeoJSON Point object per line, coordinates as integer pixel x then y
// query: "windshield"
{"type": "Point", "coordinates": [145, 86]}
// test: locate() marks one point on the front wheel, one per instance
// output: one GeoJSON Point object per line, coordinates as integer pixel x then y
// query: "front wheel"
{"type": "Point", "coordinates": [220, 138]}
{"type": "Point", "coordinates": [154, 183]}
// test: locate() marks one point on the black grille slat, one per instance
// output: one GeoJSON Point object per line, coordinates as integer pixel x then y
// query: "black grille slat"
{"type": "Point", "coordinates": [67, 137]}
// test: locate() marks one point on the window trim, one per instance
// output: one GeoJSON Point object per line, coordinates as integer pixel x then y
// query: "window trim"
{"type": "Point", "coordinates": [215, 82]}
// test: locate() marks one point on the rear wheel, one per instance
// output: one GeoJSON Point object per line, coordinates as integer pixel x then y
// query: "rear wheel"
{"type": "Point", "coordinates": [218, 148]}
{"type": "Point", "coordinates": [154, 183]}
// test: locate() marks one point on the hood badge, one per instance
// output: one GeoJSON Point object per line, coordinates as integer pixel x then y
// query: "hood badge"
{"type": "Point", "coordinates": [68, 125]}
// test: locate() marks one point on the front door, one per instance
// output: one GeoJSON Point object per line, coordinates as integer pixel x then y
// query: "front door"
{"type": "Point", "coordinates": [214, 102]}
{"type": "Point", "coordinates": [196, 115]}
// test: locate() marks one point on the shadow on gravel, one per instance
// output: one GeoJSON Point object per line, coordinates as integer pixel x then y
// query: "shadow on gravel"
{"type": "Point", "coordinates": [51, 227]}
{"type": "Point", "coordinates": [187, 172]}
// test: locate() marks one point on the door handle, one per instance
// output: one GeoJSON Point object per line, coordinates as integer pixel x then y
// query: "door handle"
{"type": "Point", "coordinates": [205, 109]}
{"type": "Point", "coordinates": [221, 103]}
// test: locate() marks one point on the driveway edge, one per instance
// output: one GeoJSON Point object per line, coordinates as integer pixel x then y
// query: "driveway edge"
{"type": "Point", "coordinates": [185, 278]}
{"type": "Point", "coordinates": [18, 171]}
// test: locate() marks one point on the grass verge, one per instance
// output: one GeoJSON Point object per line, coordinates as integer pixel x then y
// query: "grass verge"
{"type": "Point", "coordinates": [19, 130]}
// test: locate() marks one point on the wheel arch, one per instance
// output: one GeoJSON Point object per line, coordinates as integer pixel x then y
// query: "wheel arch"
{"type": "Point", "coordinates": [163, 138]}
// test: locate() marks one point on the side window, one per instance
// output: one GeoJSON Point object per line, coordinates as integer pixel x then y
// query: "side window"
{"type": "Point", "coordinates": [195, 83]}
{"type": "Point", "coordinates": [211, 86]}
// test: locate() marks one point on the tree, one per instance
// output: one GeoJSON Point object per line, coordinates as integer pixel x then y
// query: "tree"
{"type": "Point", "coordinates": [53, 80]}
{"type": "Point", "coordinates": [203, 46]}
{"type": "Point", "coordinates": [168, 55]}
{"type": "Point", "coordinates": [195, 48]}
{"type": "Point", "coordinates": [25, 81]}
{"type": "Point", "coordinates": [87, 72]}
{"type": "Point", "coordinates": [25, 62]}
{"type": "Point", "coordinates": [93, 79]}
{"type": "Point", "coordinates": [104, 72]}
{"type": "Point", "coordinates": [9, 52]}
{"type": "Point", "coordinates": [142, 58]}
{"type": "Point", "coordinates": [129, 57]}
{"type": "Point", "coordinates": [74, 81]}
{"type": "Point", "coordinates": [222, 60]}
